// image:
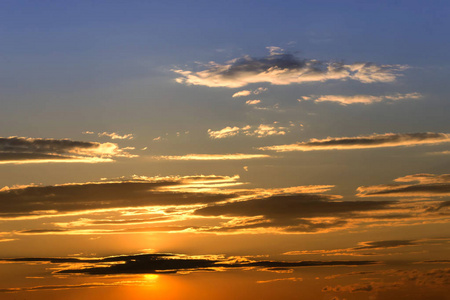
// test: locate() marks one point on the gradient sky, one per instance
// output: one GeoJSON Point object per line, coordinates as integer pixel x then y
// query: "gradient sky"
{"type": "Point", "coordinates": [224, 150]}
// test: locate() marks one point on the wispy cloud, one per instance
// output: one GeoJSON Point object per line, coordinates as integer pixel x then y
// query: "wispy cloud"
{"type": "Point", "coordinates": [365, 142]}
{"type": "Point", "coordinates": [371, 248]}
{"type": "Point", "coordinates": [234, 156]}
{"type": "Point", "coordinates": [21, 150]}
{"type": "Point", "coordinates": [283, 69]}
{"type": "Point", "coordinates": [252, 102]}
{"type": "Point", "coordinates": [245, 93]}
{"type": "Point", "coordinates": [417, 185]}
{"type": "Point", "coordinates": [260, 131]}
{"type": "Point", "coordinates": [116, 136]}
{"type": "Point", "coordinates": [359, 99]}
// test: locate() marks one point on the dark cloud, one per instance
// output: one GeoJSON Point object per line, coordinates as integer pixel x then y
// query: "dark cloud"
{"type": "Point", "coordinates": [284, 69]}
{"type": "Point", "coordinates": [60, 199]}
{"type": "Point", "coordinates": [365, 142]}
{"type": "Point", "coordinates": [172, 263]}
{"type": "Point", "coordinates": [37, 150]}
{"type": "Point", "coordinates": [292, 212]}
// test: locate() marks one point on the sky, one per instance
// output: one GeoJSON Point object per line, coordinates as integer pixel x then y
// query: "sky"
{"type": "Point", "coordinates": [224, 150]}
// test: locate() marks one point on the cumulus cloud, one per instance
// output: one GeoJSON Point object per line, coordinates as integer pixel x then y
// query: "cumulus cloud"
{"type": "Point", "coordinates": [234, 156]}
{"type": "Point", "coordinates": [283, 69]}
{"type": "Point", "coordinates": [359, 99]}
{"type": "Point", "coordinates": [365, 142]}
{"type": "Point", "coordinates": [20, 150]}
{"type": "Point", "coordinates": [260, 131]}
{"type": "Point", "coordinates": [417, 185]}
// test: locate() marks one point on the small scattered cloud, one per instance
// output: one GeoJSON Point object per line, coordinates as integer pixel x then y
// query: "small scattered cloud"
{"type": "Point", "coordinates": [252, 102]}
{"type": "Point", "coordinates": [243, 93]}
{"type": "Point", "coordinates": [22, 150]}
{"type": "Point", "coordinates": [260, 131]}
{"type": "Point", "coordinates": [234, 156]}
{"type": "Point", "coordinates": [246, 93]}
{"type": "Point", "coordinates": [116, 136]}
{"type": "Point", "coordinates": [283, 69]}
{"type": "Point", "coordinates": [365, 142]}
{"type": "Point", "coordinates": [360, 99]}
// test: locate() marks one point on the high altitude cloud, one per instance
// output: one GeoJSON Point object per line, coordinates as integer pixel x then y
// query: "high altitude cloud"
{"type": "Point", "coordinates": [161, 263]}
{"type": "Point", "coordinates": [365, 142]}
{"type": "Point", "coordinates": [359, 99]}
{"type": "Point", "coordinates": [235, 156]}
{"type": "Point", "coordinates": [35, 201]}
{"type": "Point", "coordinates": [417, 185]}
{"type": "Point", "coordinates": [283, 69]}
{"type": "Point", "coordinates": [20, 150]}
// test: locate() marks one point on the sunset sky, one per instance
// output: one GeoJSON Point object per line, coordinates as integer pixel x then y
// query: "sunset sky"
{"type": "Point", "coordinates": [224, 150]}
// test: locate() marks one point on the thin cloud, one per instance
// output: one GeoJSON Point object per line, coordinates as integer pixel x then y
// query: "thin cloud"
{"type": "Point", "coordinates": [246, 93]}
{"type": "Point", "coordinates": [417, 185]}
{"type": "Point", "coordinates": [359, 99]}
{"type": "Point", "coordinates": [116, 136]}
{"type": "Point", "coordinates": [235, 156]}
{"type": "Point", "coordinates": [252, 102]}
{"type": "Point", "coordinates": [21, 150]}
{"type": "Point", "coordinates": [371, 248]}
{"type": "Point", "coordinates": [259, 131]}
{"type": "Point", "coordinates": [243, 93]}
{"type": "Point", "coordinates": [365, 142]}
{"type": "Point", "coordinates": [283, 69]}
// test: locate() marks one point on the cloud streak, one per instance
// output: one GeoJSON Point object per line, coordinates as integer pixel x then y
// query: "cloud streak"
{"type": "Point", "coordinates": [283, 69]}
{"type": "Point", "coordinates": [359, 99]}
{"type": "Point", "coordinates": [234, 156]}
{"type": "Point", "coordinates": [417, 185]}
{"type": "Point", "coordinates": [21, 150]}
{"type": "Point", "coordinates": [365, 142]}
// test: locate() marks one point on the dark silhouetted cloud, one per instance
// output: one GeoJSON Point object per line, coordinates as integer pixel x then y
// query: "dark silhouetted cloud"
{"type": "Point", "coordinates": [138, 192]}
{"type": "Point", "coordinates": [20, 150]}
{"type": "Point", "coordinates": [172, 263]}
